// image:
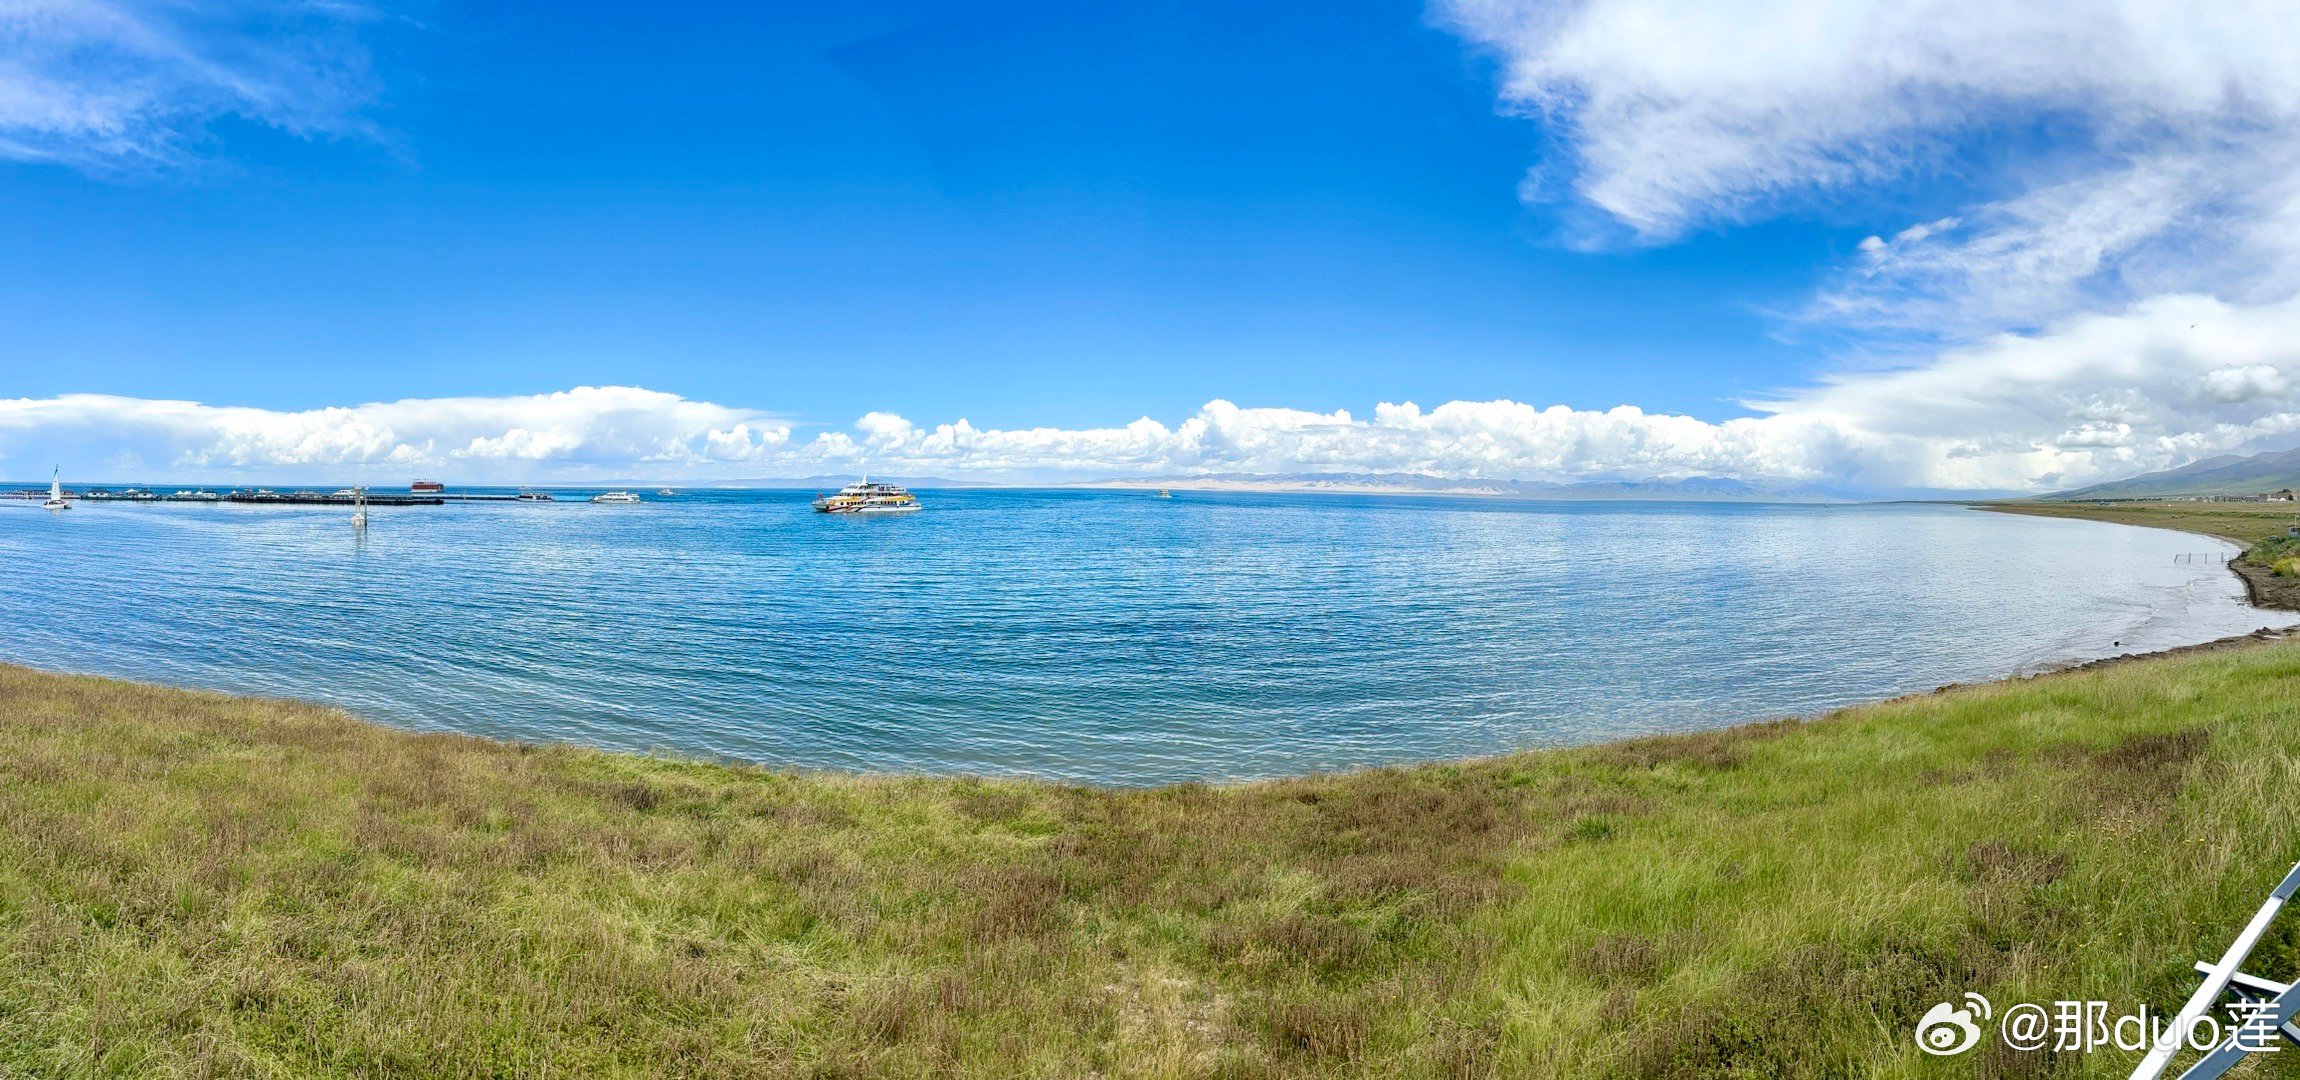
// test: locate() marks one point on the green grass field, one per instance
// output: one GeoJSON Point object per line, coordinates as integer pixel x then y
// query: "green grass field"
{"type": "Point", "coordinates": [193, 884]}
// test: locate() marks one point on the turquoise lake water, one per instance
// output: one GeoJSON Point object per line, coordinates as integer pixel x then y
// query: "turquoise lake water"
{"type": "Point", "coordinates": [1104, 637]}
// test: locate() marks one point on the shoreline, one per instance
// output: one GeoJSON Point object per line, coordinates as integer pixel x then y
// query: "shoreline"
{"type": "Point", "coordinates": [207, 884]}
{"type": "Point", "coordinates": [2256, 593]}
{"type": "Point", "coordinates": [2243, 528]}
{"type": "Point", "coordinates": [2253, 593]}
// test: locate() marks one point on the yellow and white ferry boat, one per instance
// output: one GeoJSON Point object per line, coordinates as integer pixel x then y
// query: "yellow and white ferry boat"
{"type": "Point", "coordinates": [864, 497]}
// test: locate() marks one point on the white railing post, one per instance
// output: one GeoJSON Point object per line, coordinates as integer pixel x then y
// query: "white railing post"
{"type": "Point", "coordinates": [2215, 983]}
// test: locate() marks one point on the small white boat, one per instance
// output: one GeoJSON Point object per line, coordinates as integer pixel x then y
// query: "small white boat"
{"type": "Point", "coordinates": [535, 496]}
{"type": "Point", "coordinates": [1163, 493]}
{"type": "Point", "coordinates": [666, 491]}
{"type": "Point", "coordinates": [56, 492]}
{"type": "Point", "coordinates": [614, 497]}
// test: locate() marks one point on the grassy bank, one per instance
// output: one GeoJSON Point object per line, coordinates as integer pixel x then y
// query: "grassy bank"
{"type": "Point", "coordinates": [2243, 523]}
{"type": "Point", "coordinates": [200, 885]}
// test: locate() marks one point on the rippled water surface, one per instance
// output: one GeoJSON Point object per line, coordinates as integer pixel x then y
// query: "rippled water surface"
{"type": "Point", "coordinates": [1106, 637]}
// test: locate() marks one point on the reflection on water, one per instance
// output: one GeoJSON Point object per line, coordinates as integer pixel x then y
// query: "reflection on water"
{"type": "Point", "coordinates": [1106, 637]}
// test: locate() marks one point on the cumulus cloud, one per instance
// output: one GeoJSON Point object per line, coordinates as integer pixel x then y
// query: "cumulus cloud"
{"type": "Point", "coordinates": [1682, 112]}
{"type": "Point", "coordinates": [2091, 397]}
{"type": "Point", "coordinates": [127, 85]}
{"type": "Point", "coordinates": [2094, 397]}
{"type": "Point", "coordinates": [2172, 162]}
{"type": "Point", "coordinates": [625, 432]}
{"type": "Point", "coordinates": [2118, 298]}
{"type": "Point", "coordinates": [584, 431]}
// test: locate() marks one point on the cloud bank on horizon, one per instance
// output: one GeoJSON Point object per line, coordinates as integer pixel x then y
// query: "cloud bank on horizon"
{"type": "Point", "coordinates": [2121, 293]}
{"type": "Point", "coordinates": [2097, 396]}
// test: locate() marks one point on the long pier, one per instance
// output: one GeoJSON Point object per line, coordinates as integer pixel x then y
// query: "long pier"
{"type": "Point", "coordinates": [260, 497]}
{"type": "Point", "coordinates": [320, 498]}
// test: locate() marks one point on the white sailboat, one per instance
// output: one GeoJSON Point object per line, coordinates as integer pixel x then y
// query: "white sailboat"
{"type": "Point", "coordinates": [56, 492]}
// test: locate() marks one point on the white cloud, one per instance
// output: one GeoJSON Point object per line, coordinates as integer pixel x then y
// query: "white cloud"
{"type": "Point", "coordinates": [2158, 141]}
{"type": "Point", "coordinates": [1689, 111]}
{"type": "Point", "coordinates": [2090, 398]}
{"type": "Point", "coordinates": [2122, 298]}
{"type": "Point", "coordinates": [127, 85]}
{"type": "Point", "coordinates": [2215, 220]}
{"type": "Point", "coordinates": [587, 430]}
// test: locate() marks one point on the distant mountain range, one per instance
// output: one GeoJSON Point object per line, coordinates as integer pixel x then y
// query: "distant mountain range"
{"type": "Point", "coordinates": [1693, 489]}
{"type": "Point", "coordinates": [2228, 474]}
{"type": "Point", "coordinates": [1699, 488]}
{"type": "Point", "coordinates": [835, 481]}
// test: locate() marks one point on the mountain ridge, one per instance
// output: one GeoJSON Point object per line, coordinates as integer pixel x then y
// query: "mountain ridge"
{"type": "Point", "coordinates": [1696, 488]}
{"type": "Point", "coordinates": [2223, 474]}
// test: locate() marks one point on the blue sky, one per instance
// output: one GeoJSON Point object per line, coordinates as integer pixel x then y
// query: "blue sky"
{"type": "Point", "coordinates": [865, 225]}
{"type": "Point", "coordinates": [1029, 213]}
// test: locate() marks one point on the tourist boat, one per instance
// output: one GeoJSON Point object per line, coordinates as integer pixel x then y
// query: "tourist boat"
{"type": "Point", "coordinates": [614, 497]}
{"type": "Point", "coordinates": [426, 487]}
{"type": "Point", "coordinates": [534, 496]}
{"type": "Point", "coordinates": [1165, 493]}
{"type": "Point", "coordinates": [666, 491]}
{"type": "Point", "coordinates": [864, 497]}
{"type": "Point", "coordinates": [56, 492]}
